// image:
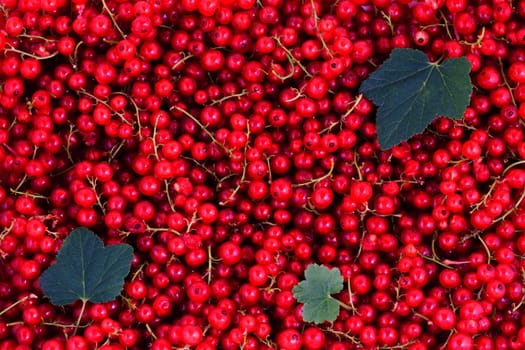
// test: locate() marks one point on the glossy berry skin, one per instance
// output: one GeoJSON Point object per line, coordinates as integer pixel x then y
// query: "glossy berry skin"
{"type": "Point", "coordinates": [290, 340]}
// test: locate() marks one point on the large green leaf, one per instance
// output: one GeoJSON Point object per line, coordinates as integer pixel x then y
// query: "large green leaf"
{"type": "Point", "coordinates": [86, 270]}
{"type": "Point", "coordinates": [315, 292]}
{"type": "Point", "coordinates": [410, 92]}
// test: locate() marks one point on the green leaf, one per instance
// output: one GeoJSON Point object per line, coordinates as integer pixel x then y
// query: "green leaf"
{"type": "Point", "coordinates": [410, 92]}
{"type": "Point", "coordinates": [86, 270]}
{"type": "Point", "coordinates": [315, 292]}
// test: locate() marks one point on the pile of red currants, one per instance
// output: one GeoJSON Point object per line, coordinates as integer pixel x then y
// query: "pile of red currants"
{"type": "Point", "coordinates": [227, 142]}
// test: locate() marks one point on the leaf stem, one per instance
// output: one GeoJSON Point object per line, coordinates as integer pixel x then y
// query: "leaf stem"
{"type": "Point", "coordinates": [82, 309]}
{"type": "Point", "coordinates": [344, 305]}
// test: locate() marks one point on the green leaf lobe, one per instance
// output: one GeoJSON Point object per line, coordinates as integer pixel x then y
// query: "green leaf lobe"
{"type": "Point", "coordinates": [410, 92]}
{"type": "Point", "coordinates": [86, 270]}
{"type": "Point", "coordinates": [315, 292]}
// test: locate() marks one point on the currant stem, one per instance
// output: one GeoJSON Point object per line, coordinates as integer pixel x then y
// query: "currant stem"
{"type": "Point", "coordinates": [137, 110]}
{"type": "Point", "coordinates": [243, 175]}
{"type": "Point", "coordinates": [522, 301]}
{"type": "Point", "coordinates": [225, 98]}
{"type": "Point", "coordinates": [354, 106]}
{"type": "Point", "coordinates": [184, 59]}
{"type": "Point", "coordinates": [202, 166]}
{"type": "Point", "coordinates": [513, 165]}
{"type": "Point", "coordinates": [17, 188]}
{"type": "Point", "coordinates": [106, 105]}
{"type": "Point", "coordinates": [154, 139]}
{"type": "Point", "coordinates": [148, 327]}
{"type": "Point", "coordinates": [115, 150]}
{"type": "Point", "coordinates": [113, 19]}
{"type": "Point", "coordinates": [314, 181]}
{"type": "Point", "coordinates": [297, 97]}
{"type": "Point", "coordinates": [138, 272]}
{"type": "Point", "coordinates": [446, 25]}
{"type": "Point", "coordinates": [398, 347]}
{"type": "Point", "coordinates": [31, 195]}
{"type": "Point", "coordinates": [291, 58]}
{"type": "Point", "coordinates": [47, 40]}
{"type": "Point", "coordinates": [61, 325]}
{"type": "Point", "coordinates": [446, 342]}
{"type": "Point", "coordinates": [516, 206]}
{"type": "Point", "coordinates": [435, 258]}
{"type": "Point", "coordinates": [23, 53]}
{"type": "Point", "coordinates": [93, 182]}
{"type": "Point", "coordinates": [487, 195]}
{"type": "Point", "coordinates": [287, 76]}
{"type": "Point", "coordinates": [67, 146]}
{"type": "Point", "coordinates": [359, 175]}
{"type": "Point", "coordinates": [341, 334]}
{"type": "Point", "coordinates": [316, 25]}
{"type": "Point", "coordinates": [187, 114]}
{"type": "Point", "coordinates": [15, 304]}
{"type": "Point", "coordinates": [73, 59]}
{"type": "Point", "coordinates": [437, 261]}
{"type": "Point", "coordinates": [480, 38]}
{"type": "Point", "coordinates": [422, 316]}
{"type": "Point", "coordinates": [168, 196]}
{"type": "Point", "coordinates": [238, 187]}
{"type": "Point", "coordinates": [388, 20]}
{"type": "Point", "coordinates": [487, 250]}
{"type": "Point", "coordinates": [210, 265]}
{"type": "Point", "coordinates": [506, 83]}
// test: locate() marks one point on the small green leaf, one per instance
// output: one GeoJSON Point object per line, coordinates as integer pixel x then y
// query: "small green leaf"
{"type": "Point", "coordinates": [86, 270]}
{"type": "Point", "coordinates": [410, 92]}
{"type": "Point", "coordinates": [315, 292]}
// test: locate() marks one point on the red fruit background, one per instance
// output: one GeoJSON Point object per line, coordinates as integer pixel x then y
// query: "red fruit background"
{"type": "Point", "coordinates": [227, 142]}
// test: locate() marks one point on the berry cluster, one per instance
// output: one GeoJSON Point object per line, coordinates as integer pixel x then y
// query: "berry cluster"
{"type": "Point", "coordinates": [227, 142]}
